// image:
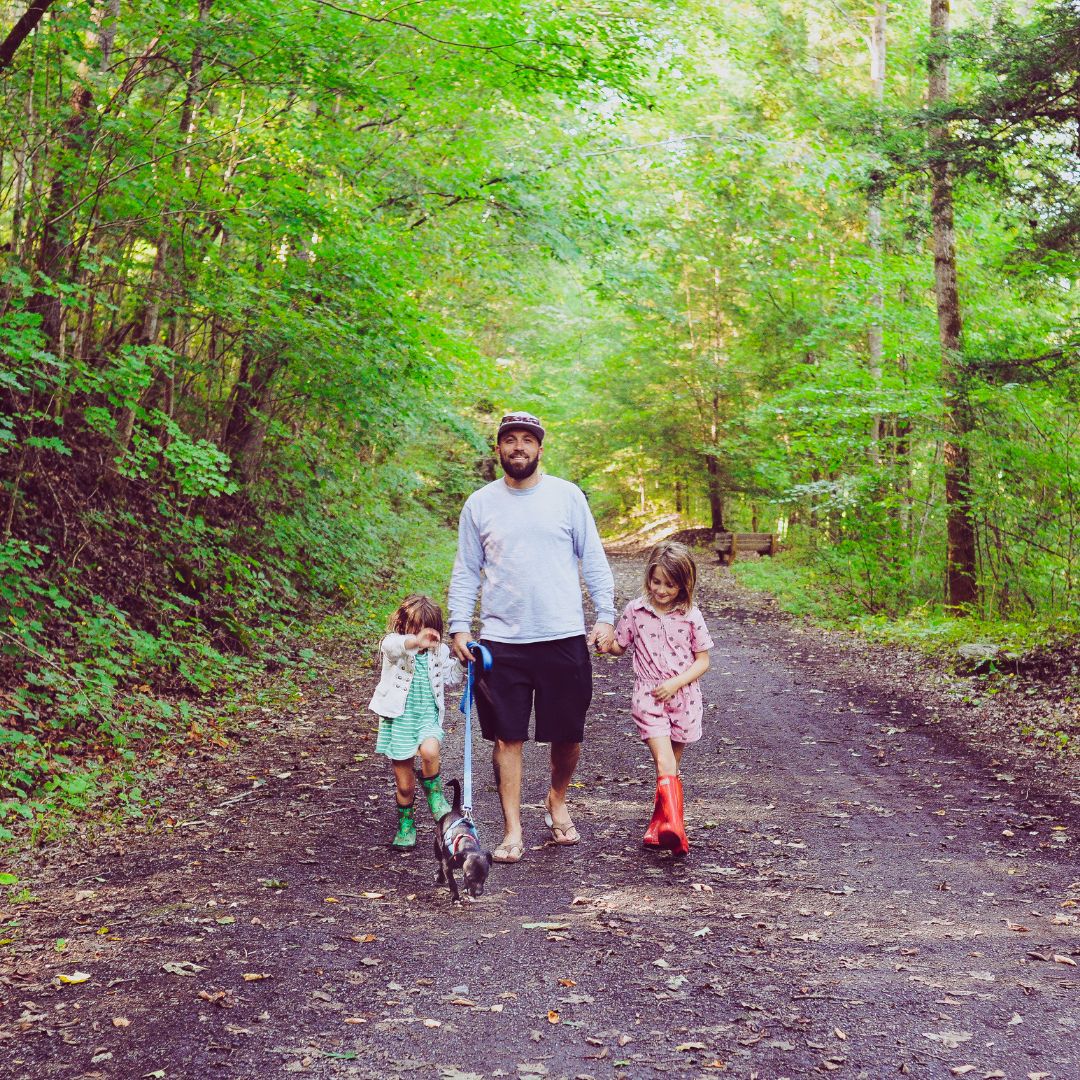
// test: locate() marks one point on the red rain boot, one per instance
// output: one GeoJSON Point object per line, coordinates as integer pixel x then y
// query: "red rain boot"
{"type": "Point", "coordinates": [672, 833]}
{"type": "Point", "coordinates": [652, 833]}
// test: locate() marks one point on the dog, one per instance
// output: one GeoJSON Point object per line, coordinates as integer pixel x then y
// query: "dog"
{"type": "Point", "coordinates": [458, 847]}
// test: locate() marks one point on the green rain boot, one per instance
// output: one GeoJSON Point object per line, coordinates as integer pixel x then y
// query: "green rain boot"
{"type": "Point", "coordinates": [433, 792]}
{"type": "Point", "coordinates": [406, 829]}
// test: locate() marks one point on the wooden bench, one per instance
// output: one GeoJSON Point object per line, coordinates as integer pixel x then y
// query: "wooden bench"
{"type": "Point", "coordinates": [730, 545]}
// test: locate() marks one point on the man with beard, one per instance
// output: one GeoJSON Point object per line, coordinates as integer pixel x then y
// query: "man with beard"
{"type": "Point", "coordinates": [524, 537]}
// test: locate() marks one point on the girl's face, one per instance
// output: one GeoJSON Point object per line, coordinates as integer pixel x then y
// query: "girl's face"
{"type": "Point", "coordinates": [663, 592]}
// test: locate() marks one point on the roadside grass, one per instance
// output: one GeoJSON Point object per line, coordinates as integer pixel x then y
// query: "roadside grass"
{"type": "Point", "coordinates": [802, 590]}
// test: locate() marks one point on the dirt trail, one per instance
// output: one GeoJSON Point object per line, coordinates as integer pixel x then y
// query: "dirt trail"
{"type": "Point", "coordinates": [864, 897]}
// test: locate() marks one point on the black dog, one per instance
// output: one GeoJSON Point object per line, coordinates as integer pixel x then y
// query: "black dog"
{"type": "Point", "coordinates": [457, 847]}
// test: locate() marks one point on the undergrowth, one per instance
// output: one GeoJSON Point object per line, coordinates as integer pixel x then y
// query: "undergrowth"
{"type": "Point", "coordinates": [142, 651]}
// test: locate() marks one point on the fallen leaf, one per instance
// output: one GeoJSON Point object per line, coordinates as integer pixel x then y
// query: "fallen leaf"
{"type": "Point", "coordinates": [332, 900]}
{"type": "Point", "coordinates": [553, 1016]}
{"type": "Point", "coordinates": [567, 982]}
{"type": "Point", "coordinates": [1016, 1019]}
{"type": "Point", "coordinates": [75, 978]}
{"type": "Point", "coordinates": [951, 1039]}
{"type": "Point", "coordinates": [364, 939]}
{"type": "Point", "coordinates": [354, 1020]}
{"type": "Point", "coordinates": [372, 895]}
{"type": "Point", "coordinates": [498, 1008]}
{"type": "Point", "coordinates": [254, 976]}
{"type": "Point", "coordinates": [687, 1046]}
{"type": "Point", "coordinates": [464, 1002]}
{"type": "Point", "coordinates": [432, 1023]}
{"type": "Point", "coordinates": [839, 1034]}
{"type": "Point", "coordinates": [705, 930]}
{"type": "Point", "coordinates": [1059, 959]}
{"type": "Point", "coordinates": [962, 1070]}
{"type": "Point", "coordinates": [545, 926]}
{"type": "Point", "coordinates": [121, 1021]}
{"type": "Point", "coordinates": [181, 967]}
{"type": "Point", "coordinates": [273, 883]}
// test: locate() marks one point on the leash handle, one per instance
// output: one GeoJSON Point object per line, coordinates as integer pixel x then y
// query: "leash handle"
{"type": "Point", "coordinates": [482, 655]}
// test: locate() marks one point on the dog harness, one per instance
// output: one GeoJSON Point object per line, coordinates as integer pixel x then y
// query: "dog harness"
{"type": "Point", "coordinates": [456, 832]}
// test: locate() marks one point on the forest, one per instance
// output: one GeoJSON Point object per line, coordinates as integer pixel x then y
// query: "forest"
{"type": "Point", "coordinates": [271, 272]}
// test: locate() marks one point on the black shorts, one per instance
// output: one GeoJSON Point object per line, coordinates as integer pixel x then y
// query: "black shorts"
{"type": "Point", "coordinates": [556, 676]}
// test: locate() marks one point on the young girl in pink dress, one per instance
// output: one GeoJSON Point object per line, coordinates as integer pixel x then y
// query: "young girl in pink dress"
{"type": "Point", "coordinates": [671, 653]}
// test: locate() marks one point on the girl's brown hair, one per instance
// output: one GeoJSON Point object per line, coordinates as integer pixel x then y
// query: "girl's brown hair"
{"type": "Point", "coordinates": [677, 562]}
{"type": "Point", "coordinates": [414, 613]}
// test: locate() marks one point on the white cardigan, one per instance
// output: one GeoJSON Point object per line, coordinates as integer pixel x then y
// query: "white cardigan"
{"type": "Point", "coordinates": [398, 664]}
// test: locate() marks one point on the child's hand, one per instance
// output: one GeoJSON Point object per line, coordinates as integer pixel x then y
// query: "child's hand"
{"type": "Point", "coordinates": [428, 638]}
{"type": "Point", "coordinates": [666, 690]}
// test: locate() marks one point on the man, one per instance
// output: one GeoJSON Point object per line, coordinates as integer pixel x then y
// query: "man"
{"type": "Point", "coordinates": [524, 537]}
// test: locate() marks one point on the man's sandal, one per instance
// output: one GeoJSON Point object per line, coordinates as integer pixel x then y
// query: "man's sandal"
{"type": "Point", "coordinates": [563, 833]}
{"type": "Point", "coordinates": [508, 853]}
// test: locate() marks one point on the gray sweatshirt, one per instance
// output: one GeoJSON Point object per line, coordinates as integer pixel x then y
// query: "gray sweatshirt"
{"type": "Point", "coordinates": [524, 547]}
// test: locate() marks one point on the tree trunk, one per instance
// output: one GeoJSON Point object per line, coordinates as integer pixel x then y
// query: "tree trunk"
{"type": "Point", "coordinates": [875, 331]}
{"type": "Point", "coordinates": [245, 428]}
{"type": "Point", "coordinates": [164, 272]}
{"type": "Point", "coordinates": [22, 30]}
{"type": "Point", "coordinates": [56, 226]}
{"type": "Point", "coordinates": [716, 495]}
{"type": "Point", "coordinates": [960, 576]}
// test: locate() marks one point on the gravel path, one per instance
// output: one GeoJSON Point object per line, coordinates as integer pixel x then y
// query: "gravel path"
{"type": "Point", "coordinates": [865, 896]}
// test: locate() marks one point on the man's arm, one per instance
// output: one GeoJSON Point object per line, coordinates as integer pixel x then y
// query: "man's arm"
{"type": "Point", "coordinates": [598, 578]}
{"type": "Point", "coordinates": [464, 583]}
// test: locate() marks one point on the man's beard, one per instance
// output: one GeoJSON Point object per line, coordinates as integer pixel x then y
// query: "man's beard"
{"type": "Point", "coordinates": [519, 469]}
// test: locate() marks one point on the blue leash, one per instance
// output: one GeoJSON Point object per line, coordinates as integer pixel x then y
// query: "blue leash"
{"type": "Point", "coordinates": [481, 655]}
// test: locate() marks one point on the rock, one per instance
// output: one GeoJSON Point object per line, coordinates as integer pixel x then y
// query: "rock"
{"type": "Point", "coordinates": [977, 657]}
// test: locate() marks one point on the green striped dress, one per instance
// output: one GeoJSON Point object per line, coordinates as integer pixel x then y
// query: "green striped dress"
{"type": "Point", "coordinates": [400, 736]}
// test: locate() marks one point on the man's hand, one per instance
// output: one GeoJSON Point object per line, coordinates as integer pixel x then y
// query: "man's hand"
{"type": "Point", "coordinates": [457, 647]}
{"type": "Point", "coordinates": [601, 637]}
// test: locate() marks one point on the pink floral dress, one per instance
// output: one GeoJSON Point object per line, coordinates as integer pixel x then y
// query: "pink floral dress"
{"type": "Point", "coordinates": [664, 646]}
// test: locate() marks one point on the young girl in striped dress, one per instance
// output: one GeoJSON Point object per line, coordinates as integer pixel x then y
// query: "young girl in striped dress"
{"type": "Point", "coordinates": [409, 700]}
